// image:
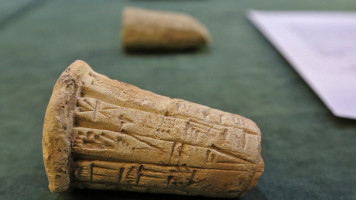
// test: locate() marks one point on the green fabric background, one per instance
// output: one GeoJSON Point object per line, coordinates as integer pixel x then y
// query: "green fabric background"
{"type": "Point", "coordinates": [308, 153]}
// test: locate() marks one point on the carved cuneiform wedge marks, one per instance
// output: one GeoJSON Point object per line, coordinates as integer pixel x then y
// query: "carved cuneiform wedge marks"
{"type": "Point", "coordinates": [117, 136]}
{"type": "Point", "coordinates": [168, 122]}
{"type": "Point", "coordinates": [132, 175]}
{"type": "Point", "coordinates": [176, 153]}
{"type": "Point", "coordinates": [96, 139]}
{"type": "Point", "coordinates": [146, 140]}
{"type": "Point", "coordinates": [122, 131]}
{"type": "Point", "coordinates": [173, 129]}
{"type": "Point", "coordinates": [122, 121]}
{"type": "Point", "coordinates": [119, 146]}
{"type": "Point", "coordinates": [175, 107]}
{"type": "Point", "coordinates": [198, 112]}
{"type": "Point", "coordinates": [93, 139]}
{"type": "Point", "coordinates": [93, 107]}
{"type": "Point", "coordinates": [210, 156]}
{"type": "Point", "coordinates": [193, 131]}
{"type": "Point", "coordinates": [123, 97]}
{"type": "Point", "coordinates": [149, 175]}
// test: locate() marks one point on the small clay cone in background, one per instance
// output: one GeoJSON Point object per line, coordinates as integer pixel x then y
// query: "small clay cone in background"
{"type": "Point", "coordinates": [100, 133]}
{"type": "Point", "coordinates": [144, 30]}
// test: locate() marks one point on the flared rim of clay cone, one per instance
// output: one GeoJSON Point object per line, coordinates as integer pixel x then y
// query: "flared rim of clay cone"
{"type": "Point", "coordinates": [56, 129]}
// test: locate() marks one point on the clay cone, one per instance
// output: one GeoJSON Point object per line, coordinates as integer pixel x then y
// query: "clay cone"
{"type": "Point", "coordinates": [100, 133]}
{"type": "Point", "coordinates": [157, 30]}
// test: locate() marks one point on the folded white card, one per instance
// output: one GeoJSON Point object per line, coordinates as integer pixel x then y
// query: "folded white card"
{"type": "Point", "coordinates": [321, 46]}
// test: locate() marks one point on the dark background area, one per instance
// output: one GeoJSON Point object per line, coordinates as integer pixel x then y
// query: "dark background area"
{"type": "Point", "coordinates": [308, 153]}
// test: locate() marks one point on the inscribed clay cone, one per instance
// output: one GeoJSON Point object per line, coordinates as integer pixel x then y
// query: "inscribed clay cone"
{"type": "Point", "coordinates": [100, 133]}
{"type": "Point", "coordinates": [158, 30]}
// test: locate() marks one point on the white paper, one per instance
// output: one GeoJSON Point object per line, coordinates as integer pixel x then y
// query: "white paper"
{"type": "Point", "coordinates": [321, 46]}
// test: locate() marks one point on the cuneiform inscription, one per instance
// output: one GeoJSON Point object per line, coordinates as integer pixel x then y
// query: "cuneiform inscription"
{"type": "Point", "coordinates": [185, 147]}
{"type": "Point", "coordinates": [119, 146]}
{"type": "Point", "coordinates": [199, 112]}
{"type": "Point", "coordinates": [96, 139]}
{"type": "Point", "coordinates": [143, 124]}
{"type": "Point", "coordinates": [93, 107]}
{"type": "Point", "coordinates": [149, 175]}
{"type": "Point", "coordinates": [103, 134]}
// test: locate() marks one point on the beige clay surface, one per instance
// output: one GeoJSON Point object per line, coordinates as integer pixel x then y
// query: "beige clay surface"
{"type": "Point", "coordinates": [147, 29]}
{"type": "Point", "coordinates": [100, 133]}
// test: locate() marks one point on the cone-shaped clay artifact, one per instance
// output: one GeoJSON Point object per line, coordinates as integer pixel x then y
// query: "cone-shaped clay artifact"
{"type": "Point", "coordinates": [157, 30]}
{"type": "Point", "coordinates": [100, 133]}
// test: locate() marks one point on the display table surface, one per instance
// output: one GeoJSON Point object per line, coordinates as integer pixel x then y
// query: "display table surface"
{"type": "Point", "coordinates": [308, 153]}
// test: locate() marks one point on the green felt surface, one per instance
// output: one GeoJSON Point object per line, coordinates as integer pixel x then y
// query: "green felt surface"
{"type": "Point", "coordinates": [308, 153]}
{"type": "Point", "coordinates": [7, 9]}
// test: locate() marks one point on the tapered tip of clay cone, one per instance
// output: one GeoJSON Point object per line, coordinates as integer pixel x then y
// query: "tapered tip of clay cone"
{"type": "Point", "coordinates": [57, 127]}
{"type": "Point", "coordinates": [144, 29]}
